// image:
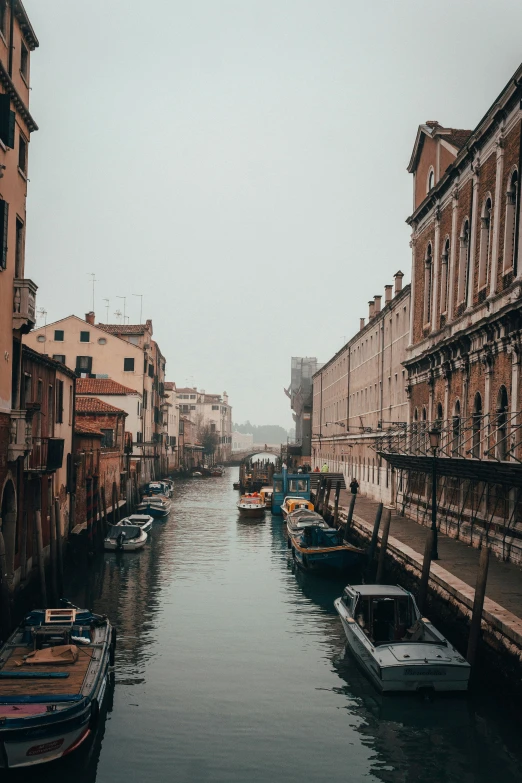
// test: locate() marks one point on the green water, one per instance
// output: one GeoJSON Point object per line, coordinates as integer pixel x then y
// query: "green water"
{"type": "Point", "coordinates": [231, 667]}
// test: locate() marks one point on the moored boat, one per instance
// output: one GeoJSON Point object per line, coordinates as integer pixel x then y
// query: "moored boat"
{"type": "Point", "coordinates": [301, 518]}
{"type": "Point", "coordinates": [53, 679]}
{"type": "Point", "coordinates": [292, 503]}
{"type": "Point", "coordinates": [124, 538]}
{"type": "Point", "coordinates": [319, 548]}
{"type": "Point", "coordinates": [155, 505]}
{"type": "Point", "coordinates": [163, 487]}
{"type": "Point", "coordinates": [398, 648]}
{"type": "Point", "coordinates": [144, 521]}
{"type": "Point", "coordinates": [251, 505]}
{"type": "Point", "coordinates": [266, 495]}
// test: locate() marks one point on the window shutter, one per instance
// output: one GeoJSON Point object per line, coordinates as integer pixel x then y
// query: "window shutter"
{"type": "Point", "coordinates": [4, 215]}
{"type": "Point", "coordinates": [7, 121]}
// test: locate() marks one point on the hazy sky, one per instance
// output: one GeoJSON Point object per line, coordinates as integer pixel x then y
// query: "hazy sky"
{"type": "Point", "coordinates": [242, 164]}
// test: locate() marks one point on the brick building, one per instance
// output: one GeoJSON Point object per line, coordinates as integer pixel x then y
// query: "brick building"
{"type": "Point", "coordinates": [361, 392]}
{"type": "Point", "coordinates": [463, 361]}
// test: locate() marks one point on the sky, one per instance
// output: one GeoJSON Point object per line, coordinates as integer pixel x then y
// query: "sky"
{"type": "Point", "coordinates": [241, 164]}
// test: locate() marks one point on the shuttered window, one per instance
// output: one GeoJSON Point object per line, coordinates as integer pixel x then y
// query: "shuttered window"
{"type": "Point", "coordinates": [4, 219]}
{"type": "Point", "coordinates": [7, 121]}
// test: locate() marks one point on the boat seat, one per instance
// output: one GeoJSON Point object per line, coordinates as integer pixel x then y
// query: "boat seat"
{"type": "Point", "coordinates": [415, 632]}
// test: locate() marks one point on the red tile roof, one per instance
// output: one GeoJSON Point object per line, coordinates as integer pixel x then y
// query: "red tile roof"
{"type": "Point", "coordinates": [457, 137]}
{"type": "Point", "coordinates": [187, 390]}
{"type": "Point", "coordinates": [101, 386]}
{"type": "Point", "coordinates": [126, 328]}
{"type": "Point", "coordinates": [86, 428]}
{"type": "Point", "coordinates": [94, 405]}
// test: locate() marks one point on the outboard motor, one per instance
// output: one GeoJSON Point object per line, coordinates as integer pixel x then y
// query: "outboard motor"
{"type": "Point", "coordinates": [120, 540]}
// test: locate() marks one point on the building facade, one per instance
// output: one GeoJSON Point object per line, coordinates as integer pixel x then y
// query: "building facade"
{"type": "Point", "coordinates": [242, 441]}
{"type": "Point", "coordinates": [209, 410]}
{"type": "Point", "coordinates": [360, 393]}
{"type": "Point", "coordinates": [463, 361]}
{"type": "Point", "coordinates": [301, 401]}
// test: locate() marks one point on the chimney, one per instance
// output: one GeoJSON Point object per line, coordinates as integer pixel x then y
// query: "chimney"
{"type": "Point", "coordinates": [387, 294]}
{"type": "Point", "coordinates": [89, 317]}
{"type": "Point", "coordinates": [371, 305]}
{"type": "Point", "coordinates": [361, 324]}
{"type": "Point", "coordinates": [398, 281]}
{"type": "Point", "coordinates": [377, 304]}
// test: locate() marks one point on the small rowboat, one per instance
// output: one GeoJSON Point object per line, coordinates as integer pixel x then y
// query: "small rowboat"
{"type": "Point", "coordinates": [124, 538]}
{"type": "Point", "coordinates": [140, 520]}
{"type": "Point", "coordinates": [51, 691]}
{"type": "Point", "coordinates": [251, 506]}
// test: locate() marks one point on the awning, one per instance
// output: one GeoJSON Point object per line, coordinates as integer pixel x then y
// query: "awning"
{"type": "Point", "coordinates": [489, 471]}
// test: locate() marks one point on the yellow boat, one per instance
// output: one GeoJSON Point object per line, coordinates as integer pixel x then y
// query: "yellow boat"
{"type": "Point", "coordinates": [266, 496]}
{"type": "Point", "coordinates": [293, 503]}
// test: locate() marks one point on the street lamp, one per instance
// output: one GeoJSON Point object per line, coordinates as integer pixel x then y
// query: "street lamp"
{"type": "Point", "coordinates": [434, 434]}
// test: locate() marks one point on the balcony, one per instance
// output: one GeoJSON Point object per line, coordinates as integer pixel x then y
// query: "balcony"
{"type": "Point", "coordinates": [24, 304]}
{"type": "Point", "coordinates": [19, 436]}
{"type": "Point", "coordinates": [45, 455]}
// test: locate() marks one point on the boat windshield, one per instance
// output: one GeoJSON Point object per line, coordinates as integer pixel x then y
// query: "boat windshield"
{"type": "Point", "coordinates": [385, 619]}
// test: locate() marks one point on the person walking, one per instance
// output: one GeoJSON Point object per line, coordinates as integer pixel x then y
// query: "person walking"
{"type": "Point", "coordinates": [354, 486]}
{"type": "Point", "coordinates": [324, 469]}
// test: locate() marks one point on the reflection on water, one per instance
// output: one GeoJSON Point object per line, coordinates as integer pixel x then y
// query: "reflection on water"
{"type": "Point", "coordinates": [231, 666]}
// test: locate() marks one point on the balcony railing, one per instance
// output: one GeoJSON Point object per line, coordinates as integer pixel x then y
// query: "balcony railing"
{"type": "Point", "coordinates": [24, 304]}
{"type": "Point", "coordinates": [491, 436]}
{"type": "Point", "coordinates": [45, 455]}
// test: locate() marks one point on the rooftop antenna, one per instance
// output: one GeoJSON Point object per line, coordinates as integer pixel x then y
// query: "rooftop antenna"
{"type": "Point", "coordinates": [107, 308]}
{"type": "Point", "coordinates": [43, 314]}
{"type": "Point", "coordinates": [141, 304]}
{"type": "Point", "coordinates": [118, 315]}
{"type": "Point", "coordinates": [93, 275]}
{"type": "Point", "coordinates": [124, 305]}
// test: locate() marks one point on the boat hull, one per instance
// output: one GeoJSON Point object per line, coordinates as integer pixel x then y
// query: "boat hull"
{"type": "Point", "coordinates": [252, 513]}
{"type": "Point", "coordinates": [405, 678]}
{"type": "Point", "coordinates": [154, 511]}
{"type": "Point", "coordinates": [326, 561]}
{"type": "Point", "coordinates": [131, 546]}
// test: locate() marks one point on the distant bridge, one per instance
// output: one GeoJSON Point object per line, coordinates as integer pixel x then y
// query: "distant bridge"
{"type": "Point", "coordinates": [238, 456]}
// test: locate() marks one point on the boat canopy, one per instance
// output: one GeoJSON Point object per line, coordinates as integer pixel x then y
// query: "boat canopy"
{"type": "Point", "coordinates": [130, 531]}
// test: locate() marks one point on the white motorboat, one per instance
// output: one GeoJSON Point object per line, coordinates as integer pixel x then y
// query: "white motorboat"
{"type": "Point", "coordinates": [397, 648]}
{"type": "Point", "coordinates": [141, 520]}
{"type": "Point", "coordinates": [154, 505]}
{"type": "Point", "coordinates": [251, 505]}
{"type": "Point", "coordinates": [124, 538]}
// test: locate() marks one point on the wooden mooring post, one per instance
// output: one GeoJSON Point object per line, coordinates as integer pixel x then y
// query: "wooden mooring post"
{"type": "Point", "coordinates": [319, 495]}
{"type": "Point", "coordinates": [375, 534]}
{"type": "Point", "coordinates": [425, 574]}
{"type": "Point", "coordinates": [52, 547]}
{"type": "Point", "coordinates": [478, 606]}
{"type": "Point", "coordinates": [59, 546]}
{"type": "Point", "coordinates": [5, 600]}
{"type": "Point", "coordinates": [325, 507]}
{"type": "Point", "coordinates": [336, 504]}
{"type": "Point", "coordinates": [386, 519]}
{"type": "Point", "coordinates": [350, 516]}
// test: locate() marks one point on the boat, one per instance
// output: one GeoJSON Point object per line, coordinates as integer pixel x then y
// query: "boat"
{"type": "Point", "coordinates": [144, 521]}
{"type": "Point", "coordinates": [292, 503]}
{"type": "Point", "coordinates": [53, 678]}
{"type": "Point", "coordinates": [155, 505]}
{"type": "Point", "coordinates": [124, 538]}
{"type": "Point", "coordinates": [284, 483]}
{"type": "Point", "coordinates": [266, 495]}
{"type": "Point", "coordinates": [319, 548]}
{"type": "Point", "coordinates": [159, 488]}
{"type": "Point", "coordinates": [397, 648]}
{"type": "Point", "coordinates": [301, 518]}
{"type": "Point", "coordinates": [251, 505]}
{"type": "Point", "coordinates": [196, 474]}
{"type": "Point", "coordinates": [236, 485]}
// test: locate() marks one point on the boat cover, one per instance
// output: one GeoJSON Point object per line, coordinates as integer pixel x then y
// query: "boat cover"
{"type": "Point", "coordinates": [131, 531]}
{"type": "Point", "coordinates": [54, 656]}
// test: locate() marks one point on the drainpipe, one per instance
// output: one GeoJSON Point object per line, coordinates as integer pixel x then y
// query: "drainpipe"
{"type": "Point", "coordinates": [11, 31]}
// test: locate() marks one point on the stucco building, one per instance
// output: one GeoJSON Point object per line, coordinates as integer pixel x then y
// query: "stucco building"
{"type": "Point", "coordinates": [463, 361]}
{"type": "Point", "coordinates": [209, 410]}
{"type": "Point", "coordinates": [242, 441]}
{"type": "Point", "coordinates": [361, 392]}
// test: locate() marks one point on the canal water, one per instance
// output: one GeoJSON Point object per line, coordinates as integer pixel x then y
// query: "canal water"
{"type": "Point", "coordinates": [231, 667]}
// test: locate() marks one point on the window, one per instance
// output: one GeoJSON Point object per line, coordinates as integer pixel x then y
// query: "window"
{"type": "Point", "coordinates": [428, 281]}
{"type": "Point", "coordinates": [463, 262]}
{"type": "Point", "coordinates": [108, 439]}
{"type": "Point", "coordinates": [145, 399]}
{"type": "Point", "coordinates": [7, 121]}
{"type": "Point", "coordinates": [431, 180]}
{"type": "Point", "coordinates": [212, 427]}
{"type": "Point", "coordinates": [24, 61]}
{"type": "Point", "coordinates": [59, 357]}
{"type": "Point", "coordinates": [181, 428]}
{"type": "Point", "coordinates": [22, 153]}
{"type": "Point", "coordinates": [83, 365]}
{"type": "Point", "coordinates": [19, 248]}
{"type": "Point", "coordinates": [102, 341]}
{"type": "Point", "coordinates": [139, 437]}
{"type": "Point", "coordinates": [58, 335]}
{"type": "Point", "coordinates": [134, 339]}
{"type": "Point", "coordinates": [502, 424]}
{"type": "Point", "coordinates": [59, 402]}
{"type": "Point", "coordinates": [3, 17]}
{"type": "Point", "coordinates": [85, 337]}
{"type": "Point", "coordinates": [128, 365]}
{"type": "Point", "coordinates": [4, 218]}
{"type": "Point", "coordinates": [477, 424]}
{"type": "Point", "coordinates": [192, 407]}
{"type": "Point", "coordinates": [26, 391]}
{"type": "Point", "coordinates": [455, 446]}
{"type": "Point", "coordinates": [511, 223]}
{"type": "Point", "coordinates": [184, 408]}
{"type": "Point", "coordinates": [444, 277]}
{"type": "Point", "coordinates": [41, 338]}
{"type": "Point", "coordinates": [215, 407]}
{"type": "Point", "coordinates": [485, 244]}
{"type": "Point", "coordinates": [192, 396]}
{"type": "Point", "coordinates": [151, 371]}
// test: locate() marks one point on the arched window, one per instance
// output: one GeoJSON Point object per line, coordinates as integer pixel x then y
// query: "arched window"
{"type": "Point", "coordinates": [502, 424]}
{"type": "Point", "coordinates": [477, 426]}
{"type": "Point", "coordinates": [428, 281]}
{"type": "Point", "coordinates": [431, 180]}
{"type": "Point", "coordinates": [511, 223]}
{"type": "Point", "coordinates": [455, 444]}
{"type": "Point", "coordinates": [444, 276]}
{"type": "Point", "coordinates": [485, 244]}
{"type": "Point", "coordinates": [463, 262]}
